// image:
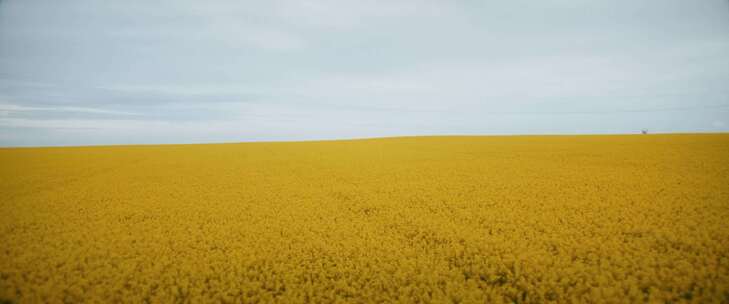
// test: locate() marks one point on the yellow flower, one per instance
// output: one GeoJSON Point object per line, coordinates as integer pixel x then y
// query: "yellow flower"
{"type": "Point", "coordinates": [428, 219]}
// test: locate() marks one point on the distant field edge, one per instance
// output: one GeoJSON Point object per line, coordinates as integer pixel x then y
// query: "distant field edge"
{"type": "Point", "coordinates": [364, 139]}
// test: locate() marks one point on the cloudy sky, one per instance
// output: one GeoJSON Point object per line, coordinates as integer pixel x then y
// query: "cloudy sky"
{"type": "Point", "coordinates": [113, 72]}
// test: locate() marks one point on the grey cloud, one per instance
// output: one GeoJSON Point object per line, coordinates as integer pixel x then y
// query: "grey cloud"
{"type": "Point", "coordinates": [285, 69]}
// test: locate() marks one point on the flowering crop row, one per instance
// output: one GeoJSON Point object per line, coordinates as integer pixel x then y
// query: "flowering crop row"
{"type": "Point", "coordinates": [427, 219]}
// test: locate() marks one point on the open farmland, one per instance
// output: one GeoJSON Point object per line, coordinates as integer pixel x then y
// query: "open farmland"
{"type": "Point", "coordinates": [444, 219]}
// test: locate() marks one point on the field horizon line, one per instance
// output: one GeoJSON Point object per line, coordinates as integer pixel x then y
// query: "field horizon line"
{"type": "Point", "coordinates": [362, 139]}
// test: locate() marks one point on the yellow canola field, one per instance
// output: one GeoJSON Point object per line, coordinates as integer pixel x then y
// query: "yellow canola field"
{"type": "Point", "coordinates": [523, 219]}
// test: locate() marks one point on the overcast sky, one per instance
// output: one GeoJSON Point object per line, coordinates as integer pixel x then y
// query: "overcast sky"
{"type": "Point", "coordinates": [113, 72]}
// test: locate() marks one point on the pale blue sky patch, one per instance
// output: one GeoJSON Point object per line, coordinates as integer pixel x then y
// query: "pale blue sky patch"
{"type": "Point", "coordinates": [81, 72]}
